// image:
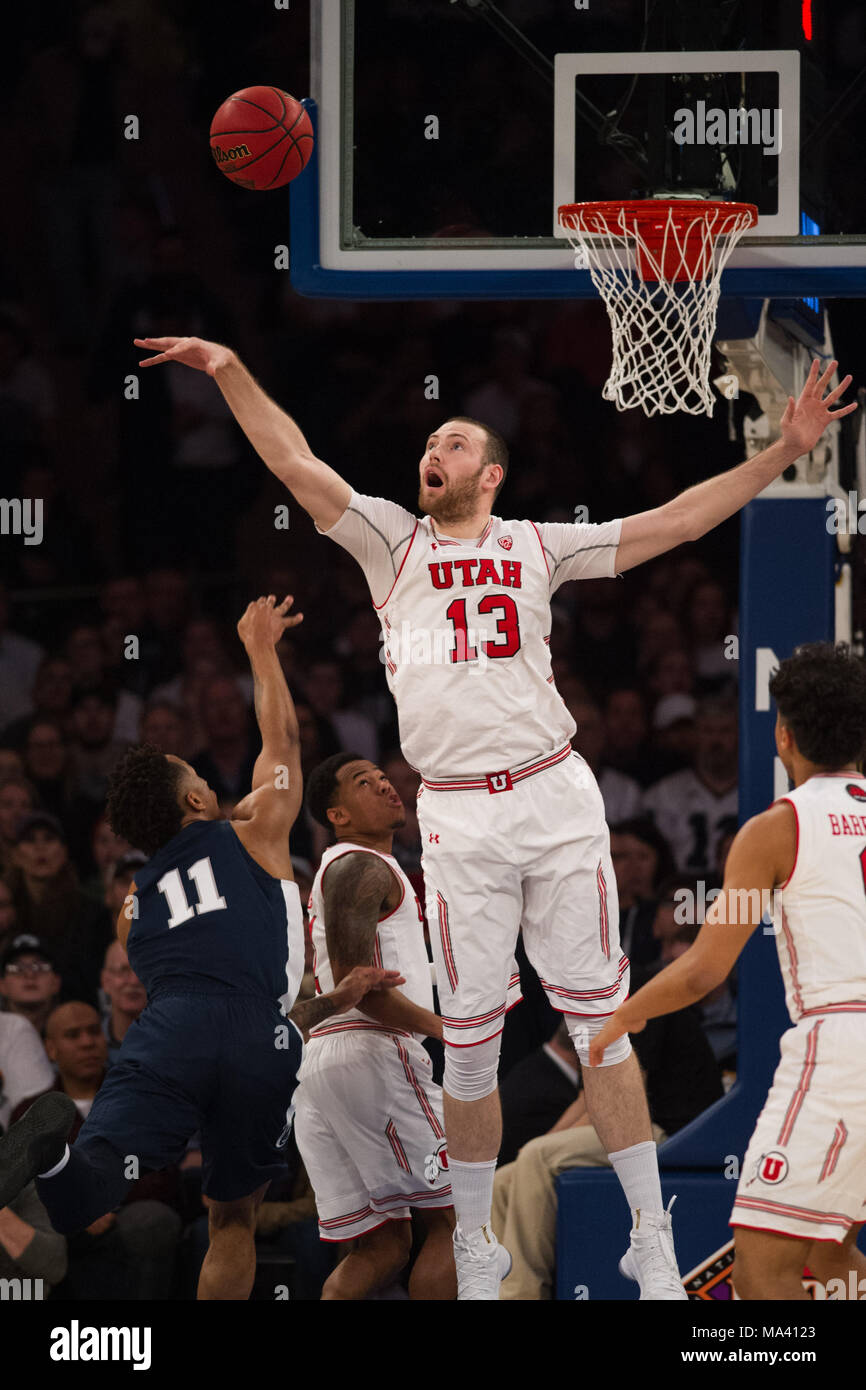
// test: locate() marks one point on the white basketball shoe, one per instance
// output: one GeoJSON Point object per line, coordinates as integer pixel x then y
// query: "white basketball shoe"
{"type": "Point", "coordinates": [650, 1259]}
{"type": "Point", "coordinates": [482, 1263]}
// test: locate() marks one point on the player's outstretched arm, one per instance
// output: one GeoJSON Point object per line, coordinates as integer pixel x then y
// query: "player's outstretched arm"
{"type": "Point", "coordinates": [357, 889]}
{"type": "Point", "coordinates": [700, 508]}
{"type": "Point", "coordinates": [762, 855]}
{"type": "Point", "coordinates": [277, 787]}
{"type": "Point", "coordinates": [273, 434]}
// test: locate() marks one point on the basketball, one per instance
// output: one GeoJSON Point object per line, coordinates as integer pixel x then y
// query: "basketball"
{"type": "Point", "coordinates": [261, 138]}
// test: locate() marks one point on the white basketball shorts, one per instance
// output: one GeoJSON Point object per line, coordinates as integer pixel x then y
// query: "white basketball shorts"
{"type": "Point", "coordinates": [368, 1122]}
{"type": "Point", "coordinates": [529, 846]}
{"type": "Point", "coordinates": [804, 1173]}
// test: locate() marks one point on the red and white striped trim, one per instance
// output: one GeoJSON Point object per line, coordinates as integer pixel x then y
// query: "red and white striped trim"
{"type": "Point", "coordinates": [603, 923]}
{"type": "Point", "coordinates": [396, 1147]}
{"type": "Point", "coordinates": [792, 961]}
{"type": "Point", "coordinates": [481, 784]}
{"type": "Point", "coordinates": [335, 1223]}
{"type": "Point", "coordinates": [543, 551]}
{"type": "Point", "coordinates": [584, 995]}
{"type": "Point", "coordinates": [790, 803]}
{"type": "Point", "coordinates": [818, 1218]}
{"type": "Point", "coordinates": [364, 1231]}
{"type": "Point", "coordinates": [445, 939]}
{"type": "Point", "coordinates": [477, 1022]}
{"type": "Point", "coordinates": [796, 1101]}
{"type": "Point", "coordinates": [356, 1025]}
{"type": "Point", "coordinates": [421, 1094]}
{"type": "Point", "coordinates": [840, 1134]}
{"type": "Point", "coordinates": [848, 1006]}
{"type": "Point", "coordinates": [413, 1199]}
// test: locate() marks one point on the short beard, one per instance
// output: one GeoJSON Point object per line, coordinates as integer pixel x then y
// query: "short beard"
{"type": "Point", "coordinates": [459, 503]}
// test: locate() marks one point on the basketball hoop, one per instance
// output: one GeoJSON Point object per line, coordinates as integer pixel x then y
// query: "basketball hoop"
{"type": "Point", "coordinates": [657, 264]}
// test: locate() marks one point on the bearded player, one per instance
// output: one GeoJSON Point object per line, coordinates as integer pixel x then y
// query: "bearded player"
{"type": "Point", "coordinates": [512, 820]}
{"type": "Point", "coordinates": [369, 1116]}
{"type": "Point", "coordinates": [800, 1196]}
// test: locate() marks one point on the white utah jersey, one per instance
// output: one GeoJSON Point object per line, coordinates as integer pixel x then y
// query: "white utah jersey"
{"type": "Point", "coordinates": [466, 630]}
{"type": "Point", "coordinates": [399, 943]}
{"type": "Point", "coordinates": [820, 911]}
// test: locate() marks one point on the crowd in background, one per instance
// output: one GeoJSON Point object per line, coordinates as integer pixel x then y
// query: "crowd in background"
{"type": "Point", "coordinates": [160, 524]}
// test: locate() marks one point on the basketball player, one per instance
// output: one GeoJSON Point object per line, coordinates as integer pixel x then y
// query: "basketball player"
{"type": "Point", "coordinates": [512, 820]}
{"type": "Point", "coordinates": [214, 930]}
{"type": "Point", "coordinates": [369, 1118]}
{"type": "Point", "coordinates": [800, 1196]}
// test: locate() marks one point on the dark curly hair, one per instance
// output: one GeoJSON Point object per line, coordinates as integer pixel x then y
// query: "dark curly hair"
{"type": "Point", "coordinates": [142, 805]}
{"type": "Point", "coordinates": [322, 785]}
{"type": "Point", "coordinates": [820, 692]}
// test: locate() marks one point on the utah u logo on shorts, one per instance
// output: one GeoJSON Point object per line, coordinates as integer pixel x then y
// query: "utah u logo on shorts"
{"type": "Point", "coordinates": [436, 1163]}
{"type": "Point", "coordinates": [499, 782]}
{"type": "Point", "coordinates": [773, 1167]}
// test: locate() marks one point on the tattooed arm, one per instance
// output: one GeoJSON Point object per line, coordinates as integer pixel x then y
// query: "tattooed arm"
{"type": "Point", "coordinates": [358, 889]}
{"type": "Point", "coordinates": [351, 990]}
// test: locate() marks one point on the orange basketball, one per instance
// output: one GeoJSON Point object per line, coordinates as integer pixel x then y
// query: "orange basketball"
{"type": "Point", "coordinates": [261, 138]}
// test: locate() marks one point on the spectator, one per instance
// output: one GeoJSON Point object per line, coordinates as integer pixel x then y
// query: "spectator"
{"type": "Point", "coordinates": [674, 731]}
{"type": "Point", "coordinates": [29, 984]}
{"type": "Point", "coordinates": [537, 1090]}
{"type": "Point", "coordinates": [19, 662]}
{"type": "Point", "coordinates": [167, 727]}
{"type": "Point", "coordinates": [95, 749]}
{"type": "Point", "coordinates": [718, 1009]}
{"type": "Point", "coordinates": [126, 997]}
{"type": "Point", "coordinates": [25, 386]}
{"type": "Point", "coordinates": [693, 808]}
{"type": "Point", "coordinates": [106, 850]}
{"type": "Point", "coordinates": [30, 1248]}
{"type": "Point", "coordinates": [17, 800]}
{"type": "Point", "coordinates": [604, 643]}
{"type": "Point", "coordinates": [621, 794]}
{"type": "Point", "coordinates": [708, 620]}
{"type": "Point", "coordinates": [7, 915]}
{"type": "Point", "coordinates": [51, 697]}
{"type": "Point", "coordinates": [641, 860]}
{"type": "Point", "coordinates": [169, 603]}
{"type": "Point", "coordinates": [682, 1080]}
{"type": "Point", "coordinates": [92, 672]}
{"type": "Point", "coordinates": [24, 1067]}
{"type": "Point", "coordinates": [49, 904]}
{"type": "Point", "coordinates": [671, 673]}
{"type": "Point", "coordinates": [324, 690]}
{"type": "Point", "coordinates": [129, 1253]}
{"type": "Point", "coordinates": [10, 762]}
{"type": "Point", "coordinates": [227, 758]}
{"type": "Point", "coordinates": [48, 762]}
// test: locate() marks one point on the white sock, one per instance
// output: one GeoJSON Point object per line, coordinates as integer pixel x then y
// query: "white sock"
{"type": "Point", "coordinates": [472, 1190]}
{"type": "Point", "coordinates": [638, 1171]}
{"type": "Point", "coordinates": [58, 1167]}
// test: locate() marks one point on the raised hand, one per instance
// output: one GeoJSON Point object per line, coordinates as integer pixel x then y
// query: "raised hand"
{"type": "Point", "coordinates": [805, 419]}
{"type": "Point", "coordinates": [264, 621]}
{"type": "Point", "coordinates": [192, 352]}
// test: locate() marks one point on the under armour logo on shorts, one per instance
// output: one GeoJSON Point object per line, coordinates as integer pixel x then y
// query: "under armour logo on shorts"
{"type": "Point", "coordinates": [432, 839]}
{"type": "Point", "coordinates": [499, 782]}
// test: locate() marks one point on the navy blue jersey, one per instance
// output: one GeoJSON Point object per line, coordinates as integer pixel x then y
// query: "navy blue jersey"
{"type": "Point", "coordinates": [210, 920]}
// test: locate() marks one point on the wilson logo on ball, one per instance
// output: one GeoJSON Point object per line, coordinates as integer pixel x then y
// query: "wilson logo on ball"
{"type": "Point", "coordinates": [237, 152]}
{"type": "Point", "coordinates": [261, 138]}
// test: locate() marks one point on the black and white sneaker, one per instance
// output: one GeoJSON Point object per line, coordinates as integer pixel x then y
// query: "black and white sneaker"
{"type": "Point", "coordinates": [35, 1144]}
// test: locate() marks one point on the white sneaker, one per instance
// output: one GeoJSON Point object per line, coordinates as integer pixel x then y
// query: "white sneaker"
{"type": "Point", "coordinates": [650, 1258]}
{"type": "Point", "coordinates": [482, 1263]}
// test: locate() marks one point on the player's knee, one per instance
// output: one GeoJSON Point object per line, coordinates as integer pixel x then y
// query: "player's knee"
{"type": "Point", "coordinates": [226, 1216]}
{"type": "Point", "coordinates": [471, 1072]}
{"type": "Point", "coordinates": [583, 1030]}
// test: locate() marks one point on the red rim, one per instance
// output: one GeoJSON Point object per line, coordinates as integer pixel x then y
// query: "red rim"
{"type": "Point", "coordinates": [646, 212]}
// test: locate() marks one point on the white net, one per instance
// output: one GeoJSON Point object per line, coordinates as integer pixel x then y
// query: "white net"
{"type": "Point", "coordinates": [658, 270]}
